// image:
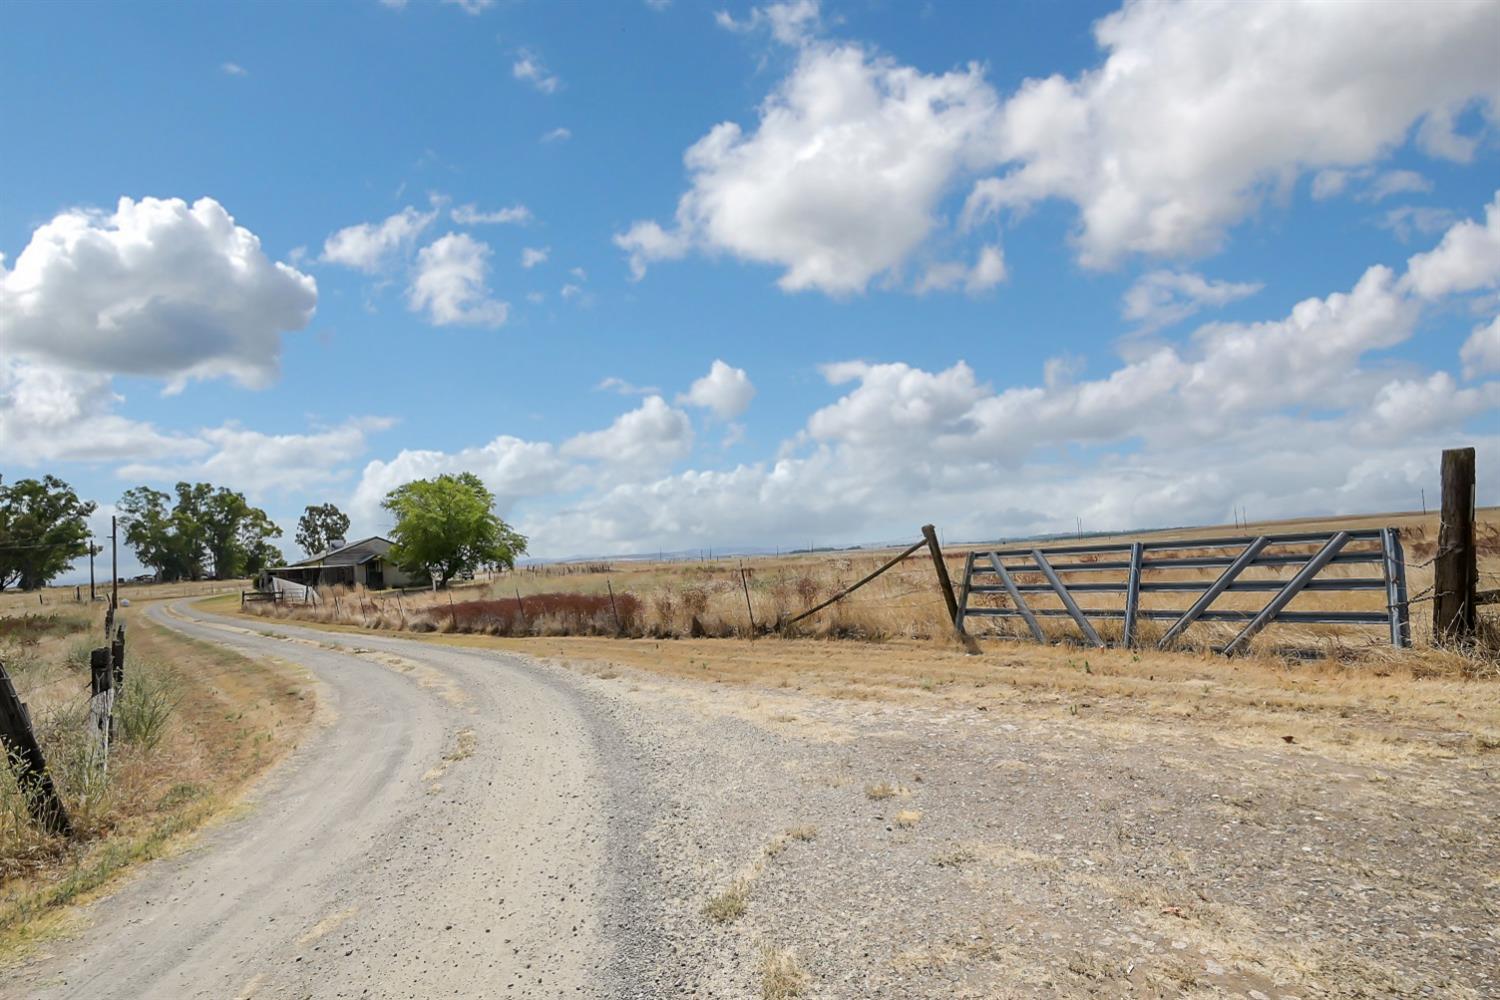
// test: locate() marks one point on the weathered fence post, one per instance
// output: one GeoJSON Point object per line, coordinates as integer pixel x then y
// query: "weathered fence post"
{"type": "Point", "coordinates": [944, 583]}
{"type": "Point", "coordinates": [619, 629]}
{"type": "Point", "coordinates": [1456, 571]}
{"type": "Point", "coordinates": [744, 582]}
{"type": "Point", "coordinates": [24, 755]}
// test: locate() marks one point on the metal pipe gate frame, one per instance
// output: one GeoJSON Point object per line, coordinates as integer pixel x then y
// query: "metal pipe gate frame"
{"type": "Point", "coordinates": [1141, 560]}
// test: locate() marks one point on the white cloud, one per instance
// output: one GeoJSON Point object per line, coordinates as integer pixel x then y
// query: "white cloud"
{"type": "Point", "coordinates": [840, 180]}
{"type": "Point", "coordinates": [571, 291]}
{"type": "Point", "coordinates": [651, 436]}
{"type": "Point", "coordinates": [469, 215]}
{"type": "Point", "coordinates": [1481, 352]}
{"type": "Point", "coordinates": [725, 390]}
{"type": "Point", "coordinates": [469, 6]}
{"type": "Point", "coordinates": [1200, 109]}
{"type": "Point", "coordinates": [1305, 413]}
{"type": "Point", "coordinates": [532, 256]}
{"type": "Point", "coordinates": [1162, 298]}
{"type": "Point", "coordinates": [529, 68]}
{"type": "Point", "coordinates": [647, 241]}
{"type": "Point", "coordinates": [1468, 258]}
{"type": "Point", "coordinates": [1407, 221]}
{"type": "Point", "coordinates": [612, 383]}
{"type": "Point", "coordinates": [450, 283]}
{"type": "Point", "coordinates": [987, 272]}
{"type": "Point", "coordinates": [512, 468]}
{"type": "Point", "coordinates": [1373, 185]}
{"type": "Point", "coordinates": [263, 464]}
{"type": "Point", "coordinates": [791, 23]}
{"type": "Point", "coordinates": [371, 246]}
{"type": "Point", "coordinates": [50, 415]}
{"type": "Point", "coordinates": [233, 69]}
{"type": "Point", "coordinates": [558, 134]}
{"type": "Point", "coordinates": [157, 288]}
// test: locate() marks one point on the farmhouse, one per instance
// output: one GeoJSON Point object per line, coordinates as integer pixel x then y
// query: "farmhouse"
{"type": "Point", "coordinates": [364, 563]}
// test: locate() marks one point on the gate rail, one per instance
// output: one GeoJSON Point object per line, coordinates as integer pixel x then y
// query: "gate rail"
{"type": "Point", "coordinates": [996, 571]}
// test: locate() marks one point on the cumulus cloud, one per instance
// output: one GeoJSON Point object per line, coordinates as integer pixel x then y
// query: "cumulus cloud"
{"type": "Point", "coordinates": [1197, 112]}
{"type": "Point", "coordinates": [987, 272]}
{"type": "Point", "coordinates": [233, 69]}
{"type": "Point", "coordinates": [529, 68]}
{"type": "Point", "coordinates": [558, 134]}
{"type": "Point", "coordinates": [1162, 298]}
{"type": "Point", "coordinates": [156, 288]}
{"type": "Point", "coordinates": [725, 390]}
{"type": "Point", "coordinates": [50, 415]}
{"type": "Point", "coordinates": [513, 469]}
{"type": "Point", "coordinates": [1468, 258]}
{"type": "Point", "coordinates": [470, 215]}
{"type": "Point", "coordinates": [1310, 411]}
{"type": "Point", "coordinates": [1481, 352]}
{"type": "Point", "coordinates": [840, 180]}
{"type": "Point", "coordinates": [1200, 109]}
{"type": "Point", "coordinates": [653, 435]}
{"type": "Point", "coordinates": [371, 246]}
{"type": "Point", "coordinates": [449, 283]}
{"type": "Point", "coordinates": [532, 256]}
{"type": "Point", "coordinates": [264, 464]}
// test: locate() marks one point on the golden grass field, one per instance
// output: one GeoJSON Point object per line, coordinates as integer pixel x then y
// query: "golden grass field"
{"type": "Point", "coordinates": [1345, 688]}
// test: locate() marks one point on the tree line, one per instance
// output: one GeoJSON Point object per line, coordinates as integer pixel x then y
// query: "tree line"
{"type": "Point", "coordinates": [444, 527]}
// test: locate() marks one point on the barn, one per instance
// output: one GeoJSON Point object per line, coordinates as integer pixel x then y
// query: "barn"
{"type": "Point", "coordinates": [364, 563]}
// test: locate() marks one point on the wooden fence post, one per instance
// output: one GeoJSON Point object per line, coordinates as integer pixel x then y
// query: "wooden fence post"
{"type": "Point", "coordinates": [619, 629]}
{"type": "Point", "coordinates": [944, 583]}
{"type": "Point", "coordinates": [1456, 570]}
{"type": "Point", "coordinates": [24, 755]}
{"type": "Point", "coordinates": [744, 582]}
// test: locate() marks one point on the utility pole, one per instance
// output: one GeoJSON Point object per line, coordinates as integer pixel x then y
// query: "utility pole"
{"type": "Point", "coordinates": [114, 562]}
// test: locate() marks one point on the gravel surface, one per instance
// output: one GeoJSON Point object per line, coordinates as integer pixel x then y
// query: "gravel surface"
{"type": "Point", "coordinates": [475, 824]}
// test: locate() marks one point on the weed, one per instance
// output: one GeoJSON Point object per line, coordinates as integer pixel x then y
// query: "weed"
{"type": "Point", "coordinates": [781, 975]}
{"type": "Point", "coordinates": [730, 904]}
{"type": "Point", "coordinates": [146, 703]}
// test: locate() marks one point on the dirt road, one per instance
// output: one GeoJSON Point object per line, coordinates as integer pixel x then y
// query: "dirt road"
{"type": "Point", "coordinates": [442, 832]}
{"type": "Point", "coordinates": [470, 823]}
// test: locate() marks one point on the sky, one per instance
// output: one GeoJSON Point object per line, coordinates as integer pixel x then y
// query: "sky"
{"type": "Point", "coordinates": [669, 275]}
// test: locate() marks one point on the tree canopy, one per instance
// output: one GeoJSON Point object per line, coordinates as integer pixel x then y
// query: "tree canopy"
{"type": "Point", "coordinates": [447, 525]}
{"type": "Point", "coordinates": [319, 525]}
{"type": "Point", "coordinates": [43, 528]}
{"type": "Point", "coordinates": [208, 532]}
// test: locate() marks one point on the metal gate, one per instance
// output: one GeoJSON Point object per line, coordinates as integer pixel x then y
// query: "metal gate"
{"type": "Point", "coordinates": [1016, 582]}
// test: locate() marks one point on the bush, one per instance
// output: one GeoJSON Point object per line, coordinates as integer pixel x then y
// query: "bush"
{"type": "Point", "coordinates": [145, 705]}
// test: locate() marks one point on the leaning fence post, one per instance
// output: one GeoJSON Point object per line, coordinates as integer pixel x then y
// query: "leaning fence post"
{"type": "Point", "coordinates": [619, 629]}
{"type": "Point", "coordinates": [744, 582]}
{"type": "Point", "coordinates": [24, 755]}
{"type": "Point", "coordinates": [946, 584]}
{"type": "Point", "coordinates": [1456, 571]}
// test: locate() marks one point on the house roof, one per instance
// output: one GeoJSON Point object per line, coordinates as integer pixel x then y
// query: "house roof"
{"type": "Point", "coordinates": [353, 554]}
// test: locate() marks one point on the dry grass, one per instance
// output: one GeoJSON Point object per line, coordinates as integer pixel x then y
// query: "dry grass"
{"type": "Point", "coordinates": [883, 790]}
{"type": "Point", "coordinates": [196, 723]}
{"type": "Point", "coordinates": [908, 818]}
{"type": "Point", "coordinates": [781, 975]}
{"type": "Point", "coordinates": [730, 903]}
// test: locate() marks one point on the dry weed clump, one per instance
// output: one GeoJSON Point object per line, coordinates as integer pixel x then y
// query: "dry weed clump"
{"type": "Point", "coordinates": [729, 904]}
{"type": "Point", "coordinates": [781, 975]}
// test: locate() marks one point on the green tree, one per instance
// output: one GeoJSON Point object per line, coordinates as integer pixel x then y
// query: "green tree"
{"type": "Point", "coordinates": [207, 532]}
{"type": "Point", "coordinates": [319, 525]}
{"type": "Point", "coordinates": [43, 528]}
{"type": "Point", "coordinates": [448, 525]}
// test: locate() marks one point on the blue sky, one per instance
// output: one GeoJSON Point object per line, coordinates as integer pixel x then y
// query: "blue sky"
{"type": "Point", "coordinates": [669, 275]}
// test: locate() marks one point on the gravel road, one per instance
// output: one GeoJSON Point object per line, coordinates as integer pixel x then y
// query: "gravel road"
{"type": "Point", "coordinates": [448, 829]}
{"type": "Point", "coordinates": [470, 823]}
